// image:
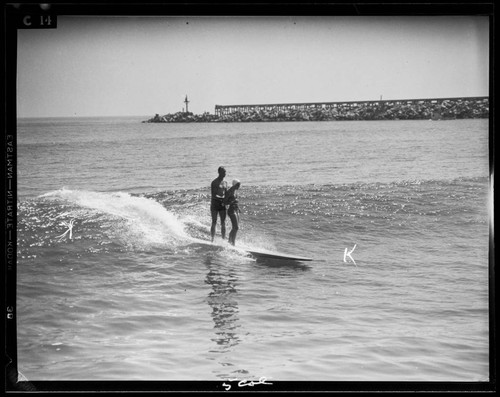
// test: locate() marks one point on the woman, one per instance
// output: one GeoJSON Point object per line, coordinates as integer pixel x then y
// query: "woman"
{"type": "Point", "coordinates": [233, 211]}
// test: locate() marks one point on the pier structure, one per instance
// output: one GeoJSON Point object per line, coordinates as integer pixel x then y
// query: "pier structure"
{"type": "Point", "coordinates": [345, 106]}
{"type": "Point", "coordinates": [392, 109]}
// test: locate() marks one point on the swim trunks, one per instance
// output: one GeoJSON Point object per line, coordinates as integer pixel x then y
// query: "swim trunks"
{"type": "Point", "coordinates": [217, 205]}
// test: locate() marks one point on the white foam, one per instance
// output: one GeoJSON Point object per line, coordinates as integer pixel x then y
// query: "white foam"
{"type": "Point", "coordinates": [147, 219]}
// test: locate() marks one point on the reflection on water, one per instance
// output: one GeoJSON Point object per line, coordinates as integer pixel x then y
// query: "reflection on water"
{"type": "Point", "coordinates": [223, 301]}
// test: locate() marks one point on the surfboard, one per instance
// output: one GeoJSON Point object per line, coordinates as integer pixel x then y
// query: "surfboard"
{"type": "Point", "coordinates": [275, 255]}
{"type": "Point", "coordinates": [257, 253]}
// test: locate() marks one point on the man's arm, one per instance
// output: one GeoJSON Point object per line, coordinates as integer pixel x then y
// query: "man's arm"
{"type": "Point", "coordinates": [214, 188]}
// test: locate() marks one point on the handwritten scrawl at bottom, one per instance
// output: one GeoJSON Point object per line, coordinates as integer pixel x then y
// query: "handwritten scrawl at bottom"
{"type": "Point", "coordinates": [242, 383]}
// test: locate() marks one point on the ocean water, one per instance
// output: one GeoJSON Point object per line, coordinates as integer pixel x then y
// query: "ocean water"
{"type": "Point", "coordinates": [132, 296]}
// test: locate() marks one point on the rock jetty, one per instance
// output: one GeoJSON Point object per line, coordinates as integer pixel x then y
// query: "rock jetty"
{"type": "Point", "coordinates": [183, 117]}
{"type": "Point", "coordinates": [381, 110]}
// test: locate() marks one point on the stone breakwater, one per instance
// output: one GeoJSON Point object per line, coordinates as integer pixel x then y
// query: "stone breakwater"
{"type": "Point", "coordinates": [183, 117]}
{"type": "Point", "coordinates": [373, 110]}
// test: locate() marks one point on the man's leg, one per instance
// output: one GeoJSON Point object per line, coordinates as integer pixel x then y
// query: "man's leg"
{"type": "Point", "coordinates": [223, 223]}
{"type": "Point", "coordinates": [214, 224]}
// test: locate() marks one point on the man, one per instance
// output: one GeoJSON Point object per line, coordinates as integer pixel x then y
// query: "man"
{"type": "Point", "coordinates": [219, 188]}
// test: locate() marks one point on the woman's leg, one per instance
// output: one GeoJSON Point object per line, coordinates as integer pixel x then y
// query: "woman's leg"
{"type": "Point", "coordinates": [234, 227]}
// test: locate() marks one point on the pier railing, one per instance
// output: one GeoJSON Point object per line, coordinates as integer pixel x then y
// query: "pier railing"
{"type": "Point", "coordinates": [221, 110]}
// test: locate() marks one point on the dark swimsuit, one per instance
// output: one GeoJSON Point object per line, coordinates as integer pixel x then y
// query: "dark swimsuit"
{"type": "Point", "coordinates": [233, 206]}
{"type": "Point", "coordinates": [217, 205]}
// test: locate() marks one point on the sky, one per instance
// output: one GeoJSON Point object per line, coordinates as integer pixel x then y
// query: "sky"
{"type": "Point", "coordinates": [141, 66]}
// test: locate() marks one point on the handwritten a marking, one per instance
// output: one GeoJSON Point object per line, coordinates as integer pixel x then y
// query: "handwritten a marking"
{"type": "Point", "coordinates": [242, 383]}
{"type": "Point", "coordinates": [348, 254]}
{"type": "Point", "coordinates": [69, 225]}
